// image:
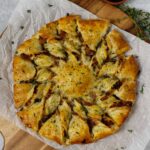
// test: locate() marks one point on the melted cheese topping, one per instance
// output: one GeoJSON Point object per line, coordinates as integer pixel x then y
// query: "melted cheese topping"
{"type": "Point", "coordinates": [74, 79]}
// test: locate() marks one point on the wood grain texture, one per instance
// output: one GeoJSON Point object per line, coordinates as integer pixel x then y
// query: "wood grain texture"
{"type": "Point", "coordinates": [16, 139]}
{"type": "Point", "coordinates": [107, 11]}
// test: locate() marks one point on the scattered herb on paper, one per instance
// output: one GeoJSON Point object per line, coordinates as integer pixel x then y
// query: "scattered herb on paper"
{"type": "Point", "coordinates": [28, 11]}
{"type": "Point", "coordinates": [22, 27]}
{"type": "Point", "coordinates": [50, 5]}
{"type": "Point", "coordinates": [12, 42]}
{"type": "Point", "coordinates": [141, 20]}
{"type": "Point", "coordinates": [142, 89]}
{"type": "Point", "coordinates": [130, 131]}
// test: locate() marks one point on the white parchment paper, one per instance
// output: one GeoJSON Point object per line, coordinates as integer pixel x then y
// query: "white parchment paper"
{"type": "Point", "coordinates": [41, 13]}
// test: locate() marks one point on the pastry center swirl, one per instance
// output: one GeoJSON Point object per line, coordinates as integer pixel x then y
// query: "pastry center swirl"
{"type": "Point", "coordinates": [74, 79]}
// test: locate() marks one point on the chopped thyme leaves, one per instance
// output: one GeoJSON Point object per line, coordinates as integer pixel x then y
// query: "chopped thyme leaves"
{"type": "Point", "coordinates": [140, 18]}
{"type": "Point", "coordinates": [129, 130]}
{"type": "Point", "coordinates": [84, 109]}
{"type": "Point", "coordinates": [28, 11]}
{"type": "Point", "coordinates": [142, 89]}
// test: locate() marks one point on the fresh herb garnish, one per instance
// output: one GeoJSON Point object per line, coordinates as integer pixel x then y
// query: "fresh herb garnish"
{"type": "Point", "coordinates": [50, 5]}
{"type": "Point", "coordinates": [22, 27]}
{"type": "Point", "coordinates": [142, 89]}
{"type": "Point", "coordinates": [129, 130]}
{"type": "Point", "coordinates": [84, 109]}
{"type": "Point", "coordinates": [122, 147]}
{"type": "Point", "coordinates": [28, 11]}
{"type": "Point", "coordinates": [67, 14]}
{"type": "Point", "coordinates": [12, 42]}
{"type": "Point", "coordinates": [140, 18]}
{"type": "Point", "coordinates": [0, 78]}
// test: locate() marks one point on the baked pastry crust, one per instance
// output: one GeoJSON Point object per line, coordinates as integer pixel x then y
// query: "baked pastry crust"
{"type": "Point", "coordinates": [92, 31]}
{"type": "Point", "coordinates": [73, 82]}
{"type": "Point", "coordinates": [23, 93]}
{"type": "Point", "coordinates": [23, 69]}
{"type": "Point", "coordinates": [32, 115]}
{"type": "Point", "coordinates": [116, 43]}
{"type": "Point", "coordinates": [30, 47]}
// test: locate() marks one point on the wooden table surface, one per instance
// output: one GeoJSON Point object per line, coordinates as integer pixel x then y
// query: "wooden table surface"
{"type": "Point", "coordinates": [16, 139]}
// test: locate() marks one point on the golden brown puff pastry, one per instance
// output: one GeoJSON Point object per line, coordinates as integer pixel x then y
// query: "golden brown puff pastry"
{"type": "Point", "coordinates": [38, 94]}
{"type": "Point", "coordinates": [55, 48]}
{"type": "Point", "coordinates": [23, 69]}
{"type": "Point", "coordinates": [106, 84]}
{"type": "Point", "coordinates": [101, 53]}
{"type": "Point", "coordinates": [127, 91]}
{"type": "Point", "coordinates": [116, 43]}
{"type": "Point", "coordinates": [79, 109]}
{"type": "Point", "coordinates": [43, 75]}
{"type": "Point", "coordinates": [32, 115]}
{"type": "Point", "coordinates": [92, 31]}
{"type": "Point", "coordinates": [129, 68]}
{"type": "Point", "coordinates": [52, 129]}
{"type": "Point", "coordinates": [78, 131]}
{"type": "Point", "coordinates": [108, 102]}
{"type": "Point", "coordinates": [94, 111]}
{"type": "Point", "coordinates": [73, 81]}
{"type": "Point", "coordinates": [22, 93]}
{"type": "Point", "coordinates": [100, 131]}
{"type": "Point", "coordinates": [43, 60]}
{"type": "Point", "coordinates": [72, 44]}
{"type": "Point", "coordinates": [119, 114]}
{"type": "Point", "coordinates": [51, 104]}
{"type": "Point", "coordinates": [65, 115]}
{"type": "Point", "coordinates": [48, 31]}
{"type": "Point", "coordinates": [68, 24]}
{"type": "Point", "coordinates": [30, 47]}
{"type": "Point", "coordinates": [109, 68]}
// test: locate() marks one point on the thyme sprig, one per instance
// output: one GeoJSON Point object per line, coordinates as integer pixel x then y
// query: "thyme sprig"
{"type": "Point", "coordinates": [142, 89]}
{"type": "Point", "coordinates": [141, 20]}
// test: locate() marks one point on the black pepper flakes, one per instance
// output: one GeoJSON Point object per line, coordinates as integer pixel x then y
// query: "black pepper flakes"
{"type": "Point", "coordinates": [28, 11]}
{"type": "Point", "coordinates": [49, 5]}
